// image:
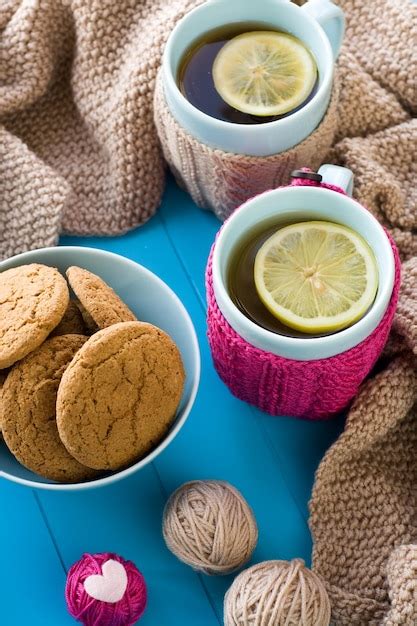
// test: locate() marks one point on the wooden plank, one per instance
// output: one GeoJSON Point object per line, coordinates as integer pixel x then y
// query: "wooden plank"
{"type": "Point", "coordinates": [126, 517]}
{"type": "Point", "coordinates": [32, 578]}
{"type": "Point", "coordinates": [298, 444]}
{"type": "Point", "coordinates": [224, 439]}
{"type": "Point", "coordinates": [221, 438]}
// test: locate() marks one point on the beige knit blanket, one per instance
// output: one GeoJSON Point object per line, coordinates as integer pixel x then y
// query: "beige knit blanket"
{"type": "Point", "coordinates": [78, 148]}
{"type": "Point", "coordinates": [364, 504]}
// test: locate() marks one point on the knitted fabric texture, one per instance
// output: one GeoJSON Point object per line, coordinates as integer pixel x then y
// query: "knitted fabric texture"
{"type": "Point", "coordinates": [78, 147]}
{"type": "Point", "coordinates": [279, 386]}
{"type": "Point", "coordinates": [363, 510]}
{"type": "Point", "coordinates": [364, 503]}
{"type": "Point", "coordinates": [377, 134]}
{"type": "Point", "coordinates": [222, 181]}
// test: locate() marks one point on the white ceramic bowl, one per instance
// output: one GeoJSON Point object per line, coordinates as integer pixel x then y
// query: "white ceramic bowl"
{"type": "Point", "coordinates": [153, 301]}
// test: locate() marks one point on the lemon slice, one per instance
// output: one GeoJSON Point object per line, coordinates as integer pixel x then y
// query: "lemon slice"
{"type": "Point", "coordinates": [264, 73]}
{"type": "Point", "coordinates": [316, 276]}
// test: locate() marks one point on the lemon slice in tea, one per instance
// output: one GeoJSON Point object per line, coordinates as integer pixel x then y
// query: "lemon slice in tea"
{"type": "Point", "coordinates": [316, 276]}
{"type": "Point", "coordinates": [264, 73]}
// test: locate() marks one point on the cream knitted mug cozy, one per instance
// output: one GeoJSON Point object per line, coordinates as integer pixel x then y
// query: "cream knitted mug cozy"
{"type": "Point", "coordinates": [222, 181]}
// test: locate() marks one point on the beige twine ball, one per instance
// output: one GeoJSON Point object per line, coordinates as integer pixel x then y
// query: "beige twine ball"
{"type": "Point", "coordinates": [277, 593]}
{"type": "Point", "coordinates": [209, 525]}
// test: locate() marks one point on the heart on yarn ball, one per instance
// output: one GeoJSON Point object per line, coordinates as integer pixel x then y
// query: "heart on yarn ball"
{"type": "Point", "coordinates": [110, 585]}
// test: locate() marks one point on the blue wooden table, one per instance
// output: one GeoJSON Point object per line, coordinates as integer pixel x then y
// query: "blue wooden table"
{"type": "Point", "coordinates": [271, 460]}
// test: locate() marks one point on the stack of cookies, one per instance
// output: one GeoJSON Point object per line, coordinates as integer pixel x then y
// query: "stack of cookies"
{"type": "Point", "coordinates": [84, 386]}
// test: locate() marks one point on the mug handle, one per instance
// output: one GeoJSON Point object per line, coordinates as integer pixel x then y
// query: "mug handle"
{"type": "Point", "coordinates": [331, 18]}
{"type": "Point", "coordinates": [339, 176]}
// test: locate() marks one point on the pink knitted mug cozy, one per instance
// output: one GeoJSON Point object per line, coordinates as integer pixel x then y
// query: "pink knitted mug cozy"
{"type": "Point", "coordinates": [315, 390]}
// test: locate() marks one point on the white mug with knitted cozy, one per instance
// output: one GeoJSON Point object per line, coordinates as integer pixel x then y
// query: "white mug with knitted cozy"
{"type": "Point", "coordinates": [318, 23]}
{"type": "Point", "coordinates": [307, 377]}
{"type": "Point", "coordinates": [295, 203]}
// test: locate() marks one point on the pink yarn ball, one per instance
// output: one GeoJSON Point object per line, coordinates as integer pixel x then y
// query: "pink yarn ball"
{"type": "Point", "coordinates": [100, 592]}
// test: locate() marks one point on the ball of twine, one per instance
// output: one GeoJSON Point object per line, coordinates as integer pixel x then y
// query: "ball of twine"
{"type": "Point", "coordinates": [210, 526]}
{"type": "Point", "coordinates": [274, 593]}
{"type": "Point", "coordinates": [91, 612]}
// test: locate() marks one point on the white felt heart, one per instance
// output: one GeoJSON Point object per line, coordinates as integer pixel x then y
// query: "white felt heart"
{"type": "Point", "coordinates": [109, 586]}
